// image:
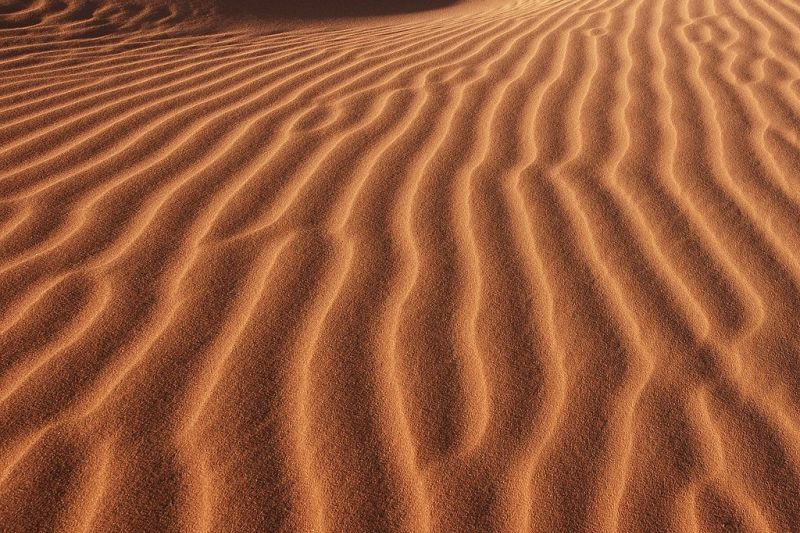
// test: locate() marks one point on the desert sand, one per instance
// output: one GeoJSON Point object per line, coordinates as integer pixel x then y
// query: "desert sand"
{"type": "Point", "coordinates": [468, 266]}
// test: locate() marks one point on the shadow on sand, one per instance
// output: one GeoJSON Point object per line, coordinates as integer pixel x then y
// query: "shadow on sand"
{"type": "Point", "coordinates": [323, 9]}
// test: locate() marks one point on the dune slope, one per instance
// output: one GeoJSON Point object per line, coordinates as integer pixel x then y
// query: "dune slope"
{"type": "Point", "coordinates": [498, 266]}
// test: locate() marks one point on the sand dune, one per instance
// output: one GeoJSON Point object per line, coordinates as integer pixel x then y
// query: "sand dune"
{"type": "Point", "coordinates": [400, 266]}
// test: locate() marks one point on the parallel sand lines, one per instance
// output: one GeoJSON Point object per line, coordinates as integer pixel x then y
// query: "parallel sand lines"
{"type": "Point", "coordinates": [505, 266]}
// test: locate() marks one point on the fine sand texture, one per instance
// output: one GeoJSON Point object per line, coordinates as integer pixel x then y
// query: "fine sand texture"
{"type": "Point", "coordinates": [396, 265]}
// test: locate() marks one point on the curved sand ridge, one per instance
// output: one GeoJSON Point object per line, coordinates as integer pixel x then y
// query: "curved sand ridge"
{"type": "Point", "coordinates": [523, 266]}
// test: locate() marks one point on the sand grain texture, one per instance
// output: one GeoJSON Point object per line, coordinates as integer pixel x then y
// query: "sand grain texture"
{"type": "Point", "coordinates": [462, 266]}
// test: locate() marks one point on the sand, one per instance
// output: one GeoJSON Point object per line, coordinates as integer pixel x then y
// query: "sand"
{"type": "Point", "coordinates": [400, 266]}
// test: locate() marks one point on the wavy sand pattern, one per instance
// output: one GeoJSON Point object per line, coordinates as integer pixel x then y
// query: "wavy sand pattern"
{"type": "Point", "coordinates": [500, 266]}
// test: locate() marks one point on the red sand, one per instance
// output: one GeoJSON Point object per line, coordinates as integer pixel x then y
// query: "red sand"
{"type": "Point", "coordinates": [495, 266]}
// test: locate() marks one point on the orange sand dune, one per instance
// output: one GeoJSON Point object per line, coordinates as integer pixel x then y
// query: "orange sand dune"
{"type": "Point", "coordinates": [400, 266]}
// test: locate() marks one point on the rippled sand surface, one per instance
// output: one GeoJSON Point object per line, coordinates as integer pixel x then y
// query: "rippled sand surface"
{"type": "Point", "coordinates": [489, 266]}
